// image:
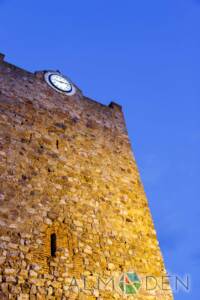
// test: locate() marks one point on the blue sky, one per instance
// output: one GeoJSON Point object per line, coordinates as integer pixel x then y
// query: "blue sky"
{"type": "Point", "coordinates": [145, 55]}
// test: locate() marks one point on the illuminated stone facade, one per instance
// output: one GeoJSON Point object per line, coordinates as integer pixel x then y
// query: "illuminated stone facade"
{"type": "Point", "coordinates": [73, 211]}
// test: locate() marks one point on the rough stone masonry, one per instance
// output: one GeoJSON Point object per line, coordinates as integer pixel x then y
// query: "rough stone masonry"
{"type": "Point", "coordinates": [73, 212]}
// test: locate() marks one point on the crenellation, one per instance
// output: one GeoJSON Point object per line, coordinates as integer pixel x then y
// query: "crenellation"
{"type": "Point", "coordinates": [2, 56]}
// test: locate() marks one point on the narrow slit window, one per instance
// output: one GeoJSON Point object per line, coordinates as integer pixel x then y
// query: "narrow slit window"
{"type": "Point", "coordinates": [53, 245]}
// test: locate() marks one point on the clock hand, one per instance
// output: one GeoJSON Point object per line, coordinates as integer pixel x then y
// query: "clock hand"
{"type": "Point", "coordinates": [60, 81]}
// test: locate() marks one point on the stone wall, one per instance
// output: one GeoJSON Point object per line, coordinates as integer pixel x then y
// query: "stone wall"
{"type": "Point", "coordinates": [66, 168]}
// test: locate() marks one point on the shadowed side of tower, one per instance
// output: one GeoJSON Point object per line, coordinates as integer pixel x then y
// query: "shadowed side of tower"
{"type": "Point", "coordinates": [73, 215]}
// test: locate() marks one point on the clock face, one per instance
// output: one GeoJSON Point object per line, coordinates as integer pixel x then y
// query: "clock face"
{"type": "Point", "coordinates": [59, 83]}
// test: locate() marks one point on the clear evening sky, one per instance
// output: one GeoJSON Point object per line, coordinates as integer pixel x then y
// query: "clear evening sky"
{"type": "Point", "coordinates": [144, 55]}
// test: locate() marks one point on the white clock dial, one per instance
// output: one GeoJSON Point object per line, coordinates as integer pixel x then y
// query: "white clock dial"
{"type": "Point", "coordinates": [59, 83]}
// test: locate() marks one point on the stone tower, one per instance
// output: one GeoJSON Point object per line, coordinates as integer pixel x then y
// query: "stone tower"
{"type": "Point", "coordinates": [74, 219]}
